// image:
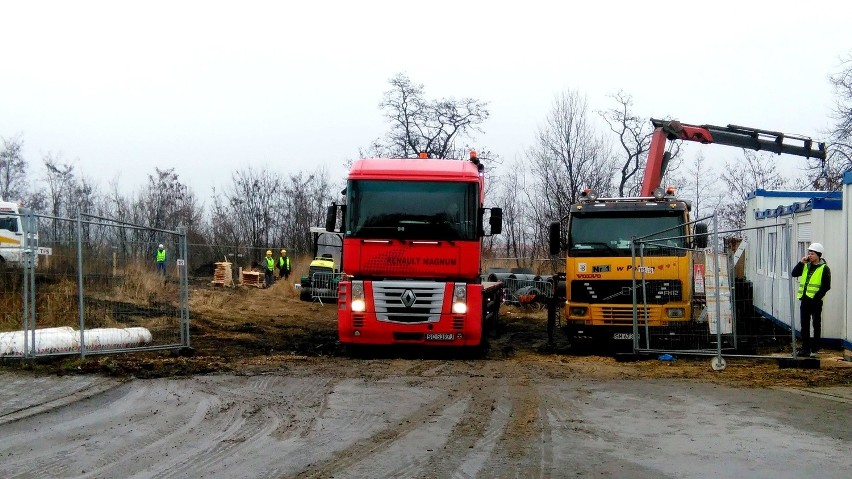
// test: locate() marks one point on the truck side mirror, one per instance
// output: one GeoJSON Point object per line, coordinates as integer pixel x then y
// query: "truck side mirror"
{"type": "Point", "coordinates": [496, 221]}
{"type": "Point", "coordinates": [701, 235]}
{"type": "Point", "coordinates": [554, 235]}
{"type": "Point", "coordinates": [331, 218]}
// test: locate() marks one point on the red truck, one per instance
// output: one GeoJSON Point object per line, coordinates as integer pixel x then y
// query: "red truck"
{"type": "Point", "coordinates": [412, 248]}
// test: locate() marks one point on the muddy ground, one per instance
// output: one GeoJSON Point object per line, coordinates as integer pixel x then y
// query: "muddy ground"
{"type": "Point", "coordinates": [269, 392]}
{"type": "Point", "coordinates": [245, 329]}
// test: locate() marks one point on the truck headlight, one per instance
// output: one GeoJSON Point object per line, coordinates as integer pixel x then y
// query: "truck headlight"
{"type": "Point", "coordinates": [674, 312]}
{"type": "Point", "coordinates": [578, 311]}
{"type": "Point", "coordinates": [358, 303]}
{"type": "Point", "coordinates": [460, 298]}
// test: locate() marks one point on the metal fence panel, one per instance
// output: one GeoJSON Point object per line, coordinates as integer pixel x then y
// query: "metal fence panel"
{"type": "Point", "coordinates": [720, 319]}
{"type": "Point", "coordinates": [323, 286]}
{"type": "Point", "coordinates": [527, 291]}
{"type": "Point", "coordinates": [96, 289]}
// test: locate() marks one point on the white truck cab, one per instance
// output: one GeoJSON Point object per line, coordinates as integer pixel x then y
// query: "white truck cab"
{"type": "Point", "coordinates": [13, 238]}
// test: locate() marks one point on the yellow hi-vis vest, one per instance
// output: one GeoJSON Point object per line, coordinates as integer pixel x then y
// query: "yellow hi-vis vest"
{"type": "Point", "coordinates": [270, 263]}
{"type": "Point", "coordinates": [813, 284]}
{"type": "Point", "coordinates": [161, 256]}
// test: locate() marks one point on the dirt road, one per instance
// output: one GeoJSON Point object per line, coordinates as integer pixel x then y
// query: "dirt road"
{"type": "Point", "coordinates": [269, 393]}
{"type": "Point", "coordinates": [527, 416]}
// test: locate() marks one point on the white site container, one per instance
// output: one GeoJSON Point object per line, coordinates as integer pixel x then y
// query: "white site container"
{"type": "Point", "coordinates": [842, 282]}
{"type": "Point", "coordinates": [787, 223]}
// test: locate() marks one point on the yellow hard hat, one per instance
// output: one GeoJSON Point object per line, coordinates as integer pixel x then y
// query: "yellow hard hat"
{"type": "Point", "coordinates": [268, 252]}
{"type": "Point", "coordinates": [283, 251]}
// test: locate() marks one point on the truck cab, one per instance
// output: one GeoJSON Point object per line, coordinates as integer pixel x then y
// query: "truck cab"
{"type": "Point", "coordinates": [412, 238]}
{"type": "Point", "coordinates": [14, 239]}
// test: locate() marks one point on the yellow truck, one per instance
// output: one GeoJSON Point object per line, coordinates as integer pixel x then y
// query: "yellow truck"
{"type": "Point", "coordinates": [604, 273]}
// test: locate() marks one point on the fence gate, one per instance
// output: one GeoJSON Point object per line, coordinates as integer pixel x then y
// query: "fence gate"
{"type": "Point", "coordinates": [718, 319]}
{"type": "Point", "coordinates": [91, 285]}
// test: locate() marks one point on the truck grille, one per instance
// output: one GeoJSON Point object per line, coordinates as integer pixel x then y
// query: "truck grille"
{"type": "Point", "coordinates": [623, 315]}
{"type": "Point", "coordinates": [408, 301]}
{"type": "Point", "coordinates": [657, 291]}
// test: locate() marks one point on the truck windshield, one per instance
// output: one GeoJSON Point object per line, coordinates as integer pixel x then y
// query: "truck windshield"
{"type": "Point", "coordinates": [9, 223]}
{"type": "Point", "coordinates": [329, 246]}
{"type": "Point", "coordinates": [610, 234]}
{"type": "Point", "coordinates": [424, 210]}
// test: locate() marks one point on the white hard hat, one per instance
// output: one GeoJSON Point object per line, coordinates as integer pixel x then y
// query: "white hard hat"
{"type": "Point", "coordinates": [161, 245]}
{"type": "Point", "coordinates": [817, 248]}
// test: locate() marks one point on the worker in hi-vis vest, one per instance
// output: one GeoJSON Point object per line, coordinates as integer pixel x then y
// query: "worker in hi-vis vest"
{"type": "Point", "coordinates": [268, 264]}
{"type": "Point", "coordinates": [814, 281]}
{"type": "Point", "coordinates": [284, 265]}
{"type": "Point", "coordinates": [161, 259]}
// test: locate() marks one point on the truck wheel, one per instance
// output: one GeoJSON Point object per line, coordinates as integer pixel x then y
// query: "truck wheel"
{"type": "Point", "coordinates": [305, 295]}
{"type": "Point", "coordinates": [481, 350]}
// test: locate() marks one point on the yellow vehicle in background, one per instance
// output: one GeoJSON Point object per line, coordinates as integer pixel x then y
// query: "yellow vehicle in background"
{"type": "Point", "coordinates": [324, 271]}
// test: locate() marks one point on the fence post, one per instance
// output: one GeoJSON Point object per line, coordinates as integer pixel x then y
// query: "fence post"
{"type": "Point", "coordinates": [633, 294]}
{"type": "Point", "coordinates": [184, 288]}
{"type": "Point", "coordinates": [80, 284]}
{"type": "Point", "coordinates": [28, 267]}
{"type": "Point", "coordinates": [794, 289]}
{"type": "Point", "coordinates": [716, 273]}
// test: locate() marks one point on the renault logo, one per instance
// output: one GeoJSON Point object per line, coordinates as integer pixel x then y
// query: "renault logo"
{"type": "Point", "coordinates": [408, 298]}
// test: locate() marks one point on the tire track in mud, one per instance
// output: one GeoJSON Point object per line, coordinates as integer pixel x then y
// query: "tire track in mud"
{"type": "Point", "coordinates": [437, 416]}
{"type": "Point", "coordinates": [128, 457]}
{"type": "Point", "coordinates": [524, 448]}
{"type": "Point", "coordinates": [195, 431]}
{"type": "Point", "coordinates": [473, 439]}
{"type": "Point", "coordinates": [55, 396]}
{"type": "Point", "coordinates": [93, 423]}
{"type": "Point", "coordinates": [254, 425]}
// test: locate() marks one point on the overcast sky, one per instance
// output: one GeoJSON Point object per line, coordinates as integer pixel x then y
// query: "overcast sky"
{"type": "Point", "coordinates": [209, 87]}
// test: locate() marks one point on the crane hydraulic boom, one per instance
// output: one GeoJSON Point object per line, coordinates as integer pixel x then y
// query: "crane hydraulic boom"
{"type": "Point", "coordinates": [731, 135]}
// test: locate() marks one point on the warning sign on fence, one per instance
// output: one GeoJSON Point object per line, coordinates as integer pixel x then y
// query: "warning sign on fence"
{"type": "Point", "coordinates": [721, 301]}
{"type": "Point", "coordinates": [698, 274]}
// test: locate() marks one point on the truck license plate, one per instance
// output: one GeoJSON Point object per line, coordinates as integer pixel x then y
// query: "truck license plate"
{"type": "Point", "coordinates": [622, 336]}
{"type": "Point", "coordinates": [440, 336]}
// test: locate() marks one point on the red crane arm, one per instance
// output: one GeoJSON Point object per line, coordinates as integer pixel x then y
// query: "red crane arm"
{"type": "Point", "coordinates": [731, 135]}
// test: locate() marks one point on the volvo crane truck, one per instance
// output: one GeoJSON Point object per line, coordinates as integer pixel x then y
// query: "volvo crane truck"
{"type": "Point", "coordinates": [598, 288]}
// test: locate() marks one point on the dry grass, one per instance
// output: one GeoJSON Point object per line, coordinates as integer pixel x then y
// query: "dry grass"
{"type": "Point", "coordinates": [233, 329]}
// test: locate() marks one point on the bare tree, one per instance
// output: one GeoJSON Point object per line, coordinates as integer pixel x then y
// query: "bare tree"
{"type": "Point", "coordinates": [13, 169]}
{"type": "Point", "coordinates": [514, 199]}
{"type": "Point", "coordinates": [569, 155]}
{"type": "Point", "coordinates": [634, 138]}
{"type": "Point", "coordinates": [61, 184]}
{"type": "Point", "coordinates": [828, 175]}
{"type": "Point", "coordinates": [757, 171]}
{"type": "Point", "coordinates": [701, 186]}
{"type": "Point", "coordinates": [251, 201]}
{"type": "Point", "coordinates": [305, 199]}
{"type": "Point", "coordinates": [422, 125]}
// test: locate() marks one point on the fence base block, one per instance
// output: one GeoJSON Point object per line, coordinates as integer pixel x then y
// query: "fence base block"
{"type": "Point", "coordinates": [186, 352]}
{"type": "Point", "coordinates": [798, 363]}
{"type": "Point", "coordinates": [631, 357]}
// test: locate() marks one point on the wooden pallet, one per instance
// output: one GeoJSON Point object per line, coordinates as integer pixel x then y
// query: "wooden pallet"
{"type": "Point", "coordinates": [223, 276]}
{"type": "Point", "coordinates": [251, 278]}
